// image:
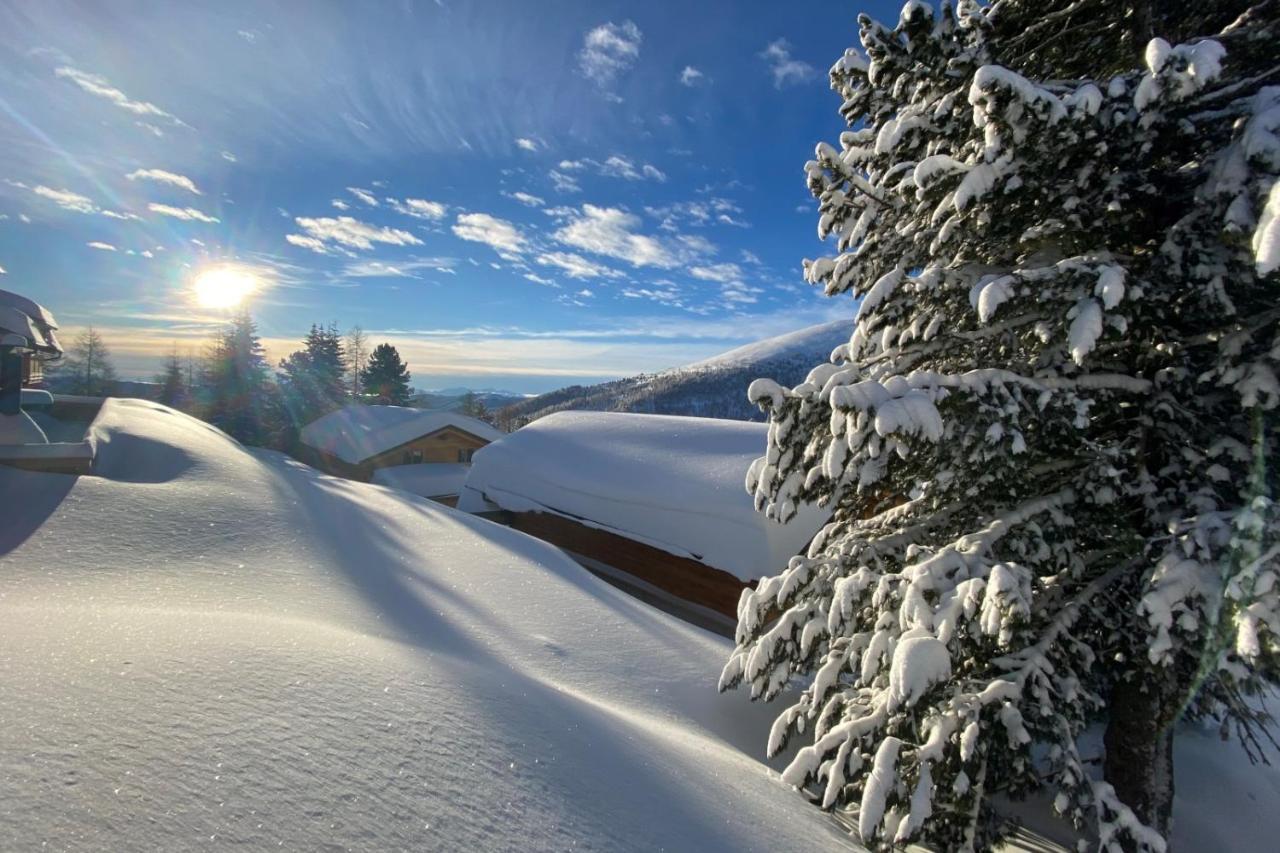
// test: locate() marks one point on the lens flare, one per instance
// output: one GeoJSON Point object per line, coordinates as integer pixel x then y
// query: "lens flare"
{"type": "Point", "coordinates": [224, 286]}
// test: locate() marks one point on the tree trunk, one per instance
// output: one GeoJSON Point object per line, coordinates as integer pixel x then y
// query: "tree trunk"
{"type": "Point", "coordinates": [1139, 745]}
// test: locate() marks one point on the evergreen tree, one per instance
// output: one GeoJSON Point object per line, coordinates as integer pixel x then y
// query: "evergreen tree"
{"type": "Point", "coordinates": [473, 407]}
{"type": "Point", "coordinates": [237, 394]}
{"type": "Point", "coordinates": [314, 379]}
{"type": "Point", "coordinates": [87, 369]}
{"type": "Point", "coordinates": [1045, 443]}
{"type": "Point", "coordinates": [386, 377]}
{"type": "Point", "coordinates": [357, 354]}
{"type": "Point", "coordinates": [174, 390]}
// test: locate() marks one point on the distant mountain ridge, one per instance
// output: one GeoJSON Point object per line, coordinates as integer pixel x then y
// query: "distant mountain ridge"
{"type": "Point", "coordinates": [712, 388]}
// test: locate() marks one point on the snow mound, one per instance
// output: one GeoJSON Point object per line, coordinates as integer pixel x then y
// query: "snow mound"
{"type": "Point", "coordinates": [356, 432]}
{"type": "Point", "coordinates": [674, 483]}
{"type": "Point", "coordinates": [213, 647]}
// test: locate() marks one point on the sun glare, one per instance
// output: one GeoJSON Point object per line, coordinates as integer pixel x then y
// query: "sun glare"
{"type": "Point", "coordinates": [224, 287]}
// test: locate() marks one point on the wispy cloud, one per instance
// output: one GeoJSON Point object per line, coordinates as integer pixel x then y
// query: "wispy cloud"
{"type": "Point", "coordinates": [66, 199]}
{"type": "Point", "coordinates": [786, 70]}
{"type": "Point", "coordinates": [160, 176]}
{"type": "Point", "coordinates": [97, 85]}
{"type": "Point", "coordinates": [576, 266]}
{"type": "Point", "coordinates": [323, 233]}
{"type": "Point", "coordinates": [399, 269]}
{"type": "Point", "coordinates": [563, 183]}
{"type": "Point", "coordinates": [611, 232]}
{"type": "Point", "coordinates": [499, 234]}
{"type": "Point", "coordinates": [730, 278]}
{"type": "Point", "coordinates": [609, 50]}
{"type": "Point", "coordinates": [527, 199]}
{"type": "Point", "coordinates": [97, 244]}
{"type": "Point", "coordinates": [186, 213]}
{"type": "Point", "coordinates": [364, 195]}
{"type": "Point", "coordinates": [691, 76]}
{"type": "Point", "coordinates": [418, 208]}
{"type": "Point", "coordinates": [340, 204]}
{"type": "Point", "coordinates": [697, 214]}
{"type": "Point", "coordinates": [616, 166]}
{"type": "Point", "coordinates": [527, 143]}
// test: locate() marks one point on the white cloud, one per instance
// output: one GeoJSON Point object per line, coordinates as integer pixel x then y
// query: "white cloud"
{"type": "Point", "coordinates": [185, 213]}
{"type": "Point", "coordinates": [527, 199]}
{"type": "Point", "coordinates": [228, 156]}
{"type": "Point", "coordinates": [364, 195]}
{"type": "Point", "coordinates": [786, 71]}
{"type": "Point", "coordinates": [698, 214]}
{"type": "Point", "coordinates": [163, 177]}
{"type": "Point", "coordinates": [349, 232]}
{"type": "Point", "coordinates": [419, 208]}
{"type": "Point", "coordinates": [66, 199]}
{"type": "Point", "coordinates": [99, 86]}
{"type": "Point", "coordinates": [729, 276]}
{"type": "Point", "coordinates": [499, 234]}
{"type": "Point", "coordinates": [585, 293]}
{"type": "Point", "coordinates": [312, 243]}
{"type": "Point", "coordinates": [563, 183]}
{"type": "Point", "coordinates": [617, 166]}
{"type": "Point", "coordinates": [576, 266]}
{"type": "Point", "coordinates": [537, 279]}
{"type": "Point", "coordinates": [608, 50]}
{"type": "Point", "coordinates": [609, 231]}
{"type": "Point", "coordinates": [340, 204]}
{"type": "Point", "coordinates": [398, 269]}
{"type": "Point", "coordinates": [106, 247]}
{"type": "Point", "coordinates": [527, 144]}
{"type": "Point", "coordinates": [3, 271]}
{"type": "Point", "coordinates": [691, 76]}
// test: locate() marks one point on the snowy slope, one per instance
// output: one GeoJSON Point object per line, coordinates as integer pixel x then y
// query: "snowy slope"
{"type": "Point", "coordinates": [714, 388]}
{"type": "Point", "coordinates": [207, 646]}
{"type": "Point", "coordinates": [674, 483]}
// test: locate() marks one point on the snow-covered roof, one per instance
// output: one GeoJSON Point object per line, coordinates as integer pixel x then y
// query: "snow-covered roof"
{"type": "Point", "coordinates": [354, 433]}
{"type": "Point", "coordinates": [674, 483]}
{"type": "Point", "coordinates": [222, 646]}
{"type": "Point", "coordinates": [429, 479]}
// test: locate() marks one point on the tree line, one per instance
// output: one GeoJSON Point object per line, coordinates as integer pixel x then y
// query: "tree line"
{"type": "Point", "coordinates": [232, 385]}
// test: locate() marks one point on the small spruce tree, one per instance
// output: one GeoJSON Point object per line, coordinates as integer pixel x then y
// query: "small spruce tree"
{"type": "Point", "coordinates": [386, 377]}
{"type": "Point", "coordinates": [1046, 443]}
{"type": "Point", "coordinates": [236, 393]}
{"type": "Point", "coordinates": [174, 390]}
{"type": "Point", "coordinates": [314, 379]}
{"type": "Point", "coordinates": [87, 367]}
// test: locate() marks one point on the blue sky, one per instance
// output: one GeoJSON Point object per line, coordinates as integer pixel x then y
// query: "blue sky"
{"type": "Point", "coordinates": [516, 194]}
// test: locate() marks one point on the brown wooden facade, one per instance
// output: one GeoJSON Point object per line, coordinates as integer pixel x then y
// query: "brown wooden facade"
{"type": "Point", "coordinates": [448, 444]}
{"type": "Point", "coordinates": [682, 577]}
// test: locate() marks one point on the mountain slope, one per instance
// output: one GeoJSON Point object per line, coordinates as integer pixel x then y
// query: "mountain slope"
{"type": "Point", "coordinates": [713, 388]}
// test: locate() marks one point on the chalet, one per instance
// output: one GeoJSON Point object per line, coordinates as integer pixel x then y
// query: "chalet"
{"type": "Point", "coordinates": [655, 503]}
{"type": "Point", "coordinates": [418, 450]}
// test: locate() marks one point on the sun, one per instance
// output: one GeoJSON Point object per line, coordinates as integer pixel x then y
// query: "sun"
{"type": "Point", "coordinates": [224, 286]}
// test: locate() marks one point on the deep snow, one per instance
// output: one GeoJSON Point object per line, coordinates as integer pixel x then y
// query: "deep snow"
{"type": "Point", "coordinates": [675, 483]}
{"type": "Point", "coordinates": [356, 432]}
{"type": "Point", "coordinates": [212, 646]}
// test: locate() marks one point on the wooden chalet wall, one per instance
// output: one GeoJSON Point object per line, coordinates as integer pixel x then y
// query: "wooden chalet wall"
{"type": "Point", "coordinates": [682, 577]}
{"type": "Point", "coordinates": [443, 445]}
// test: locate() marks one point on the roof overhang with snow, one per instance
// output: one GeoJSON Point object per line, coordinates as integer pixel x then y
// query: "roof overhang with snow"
{"type": "Point", "coordinates": [356, 433]}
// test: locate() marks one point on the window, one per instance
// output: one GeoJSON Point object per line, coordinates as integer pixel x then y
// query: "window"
{"type": "Point", "coordinates": [465, 455]}
{"type": "Point", "coordinates": [417, 457]}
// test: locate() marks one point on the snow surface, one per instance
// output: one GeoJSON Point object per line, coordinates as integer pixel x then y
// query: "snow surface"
{"type": "Point", "coordinates": [672, 482]}
{"type": "Point", "coordinates": [355, 433]}
{"type": "Point", "coordinates": [430, 479]}
{"type": "Point", "coordinates": [207, 646]}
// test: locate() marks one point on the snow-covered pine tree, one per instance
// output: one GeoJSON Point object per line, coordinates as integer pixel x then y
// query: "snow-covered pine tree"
{"type": "Point", "coordinates": [1047, 443]}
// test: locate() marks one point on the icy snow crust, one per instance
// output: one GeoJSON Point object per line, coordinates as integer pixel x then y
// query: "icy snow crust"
{"type": "Point", "coordinates": [356, 432]}
{"type": "Point", "coordinates": [672, 482]}
{"type": "Point", "coordinates": [208, 646]}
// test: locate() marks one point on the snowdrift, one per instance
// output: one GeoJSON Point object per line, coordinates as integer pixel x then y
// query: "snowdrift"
{"type": "Point", "coordinates": [671, 482]}
{"type": "Point", "coordinates": [211, 646]}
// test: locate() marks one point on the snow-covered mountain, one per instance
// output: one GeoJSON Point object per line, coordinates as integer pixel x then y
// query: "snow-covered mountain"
{"type": "Point", "coordinates": [713, 388]}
